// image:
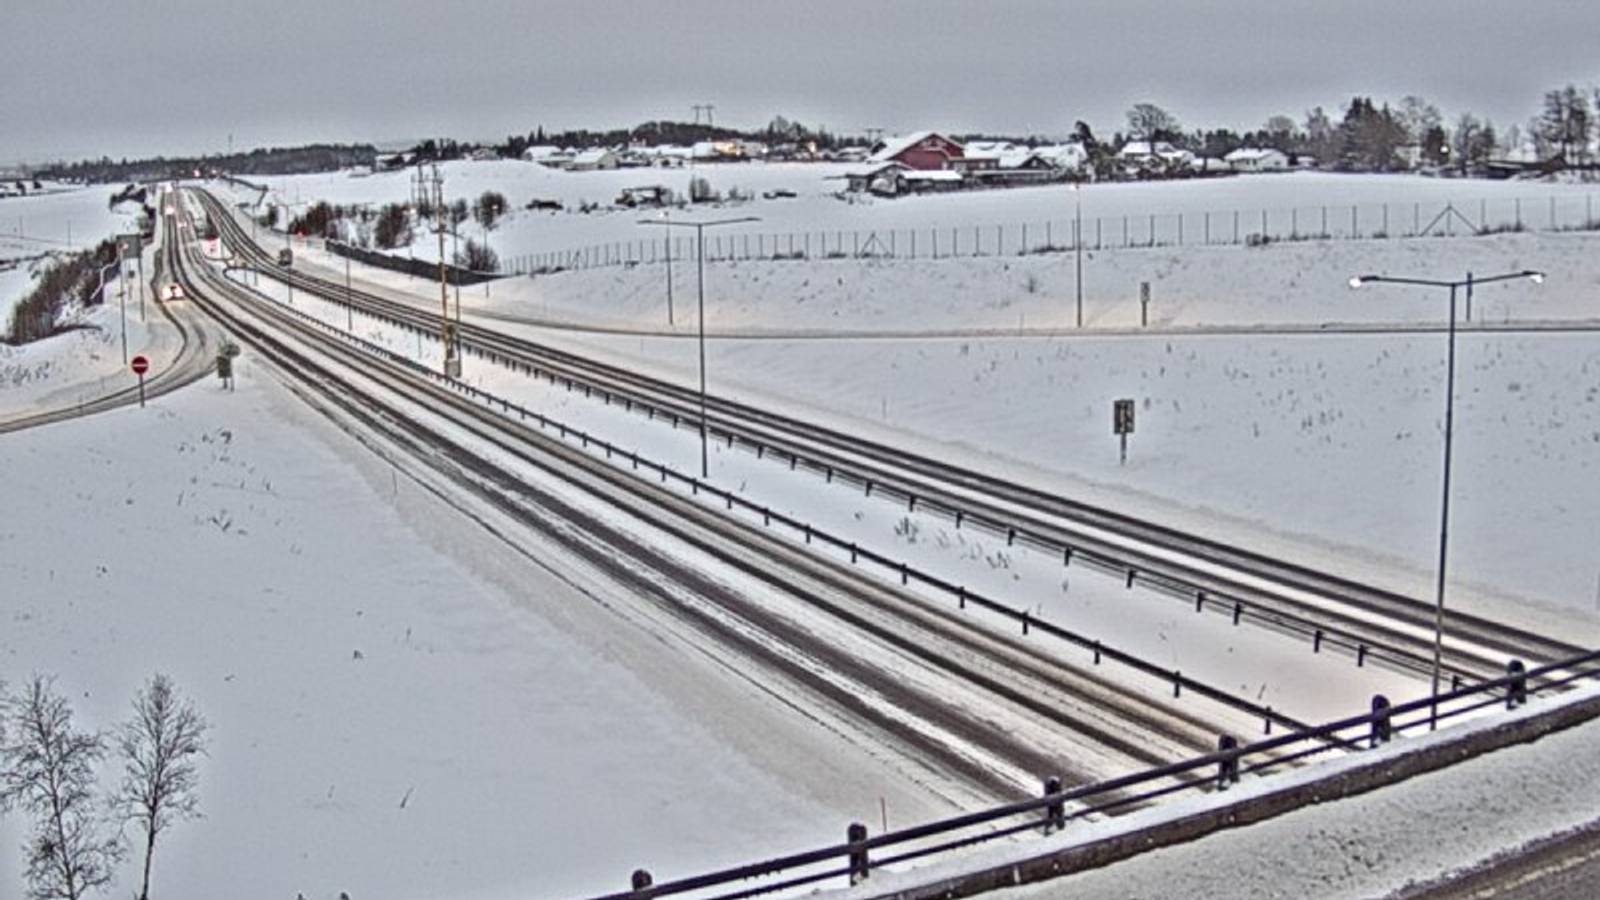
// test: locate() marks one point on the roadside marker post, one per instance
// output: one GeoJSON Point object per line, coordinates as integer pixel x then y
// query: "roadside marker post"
{"type": "Point", "coordinates": [140, 365]}
{"type": "Point", "coordinates": [1122, 425]}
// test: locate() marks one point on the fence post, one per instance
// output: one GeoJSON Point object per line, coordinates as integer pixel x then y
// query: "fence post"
{"type": "Point", "coordinates": [1517, 693]}
{"type": "Point", "coordinates": [1055, 813]}
{"type": "Point", "coordinates": [860, 866]}
{"type": "Point", "coordinates": [1228, 766]}
{"type": "Point", "coordinates": [1382, 724]}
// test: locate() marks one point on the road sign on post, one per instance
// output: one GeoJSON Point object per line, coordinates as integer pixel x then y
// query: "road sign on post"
{"type": "Point", "coordinates": [1122, 424]}
{"type": "Point", "coordinates": [140, 365]}
{"type": "Point", "coordinates": [1144, 304]}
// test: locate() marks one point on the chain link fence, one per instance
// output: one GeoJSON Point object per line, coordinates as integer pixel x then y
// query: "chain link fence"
{"type": "Point", "coordinates": [1239, 227]}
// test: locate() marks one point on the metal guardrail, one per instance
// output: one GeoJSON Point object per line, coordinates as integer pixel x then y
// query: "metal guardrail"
{"type": "Point", "coordinates": [857, 857]}
{"type": "Point", "coordinates": [1240, 610]}
{"type": "Point", "coordinates": [1231, 760]}
{"type": "Point", "coordinates": [1100, 651]}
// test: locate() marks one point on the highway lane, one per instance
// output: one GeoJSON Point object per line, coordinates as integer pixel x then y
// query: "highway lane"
{"type": "Point", "coordinates": [945, 692]}
{"type": "Point", "coordinates": [198, 343]}
{"type": "Point", "coordinates": [1332, 612]}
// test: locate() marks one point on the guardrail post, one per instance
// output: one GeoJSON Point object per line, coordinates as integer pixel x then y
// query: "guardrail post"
{"type": "Point", "coordinates": [642, 882]}
{"type": "Point", "coordinates": [856, 834]}
{"type": "Point", "coordinates": [1228, 767]}
{"type": "Point", "coordinates": [1199, 601]}
{"type": "Point", "coordinates": [1316, 641]}
{"type": "Point", "coordinates": [1382, 724]}
{"type": "Point", "coordinates": [1238, 609]}
{"type": "Point", "coordinates": [1055, 813]}
{"type": "Point", "coordinates": [1517, 693]}
{"type": "Point", "coordinates": [1131, 573]}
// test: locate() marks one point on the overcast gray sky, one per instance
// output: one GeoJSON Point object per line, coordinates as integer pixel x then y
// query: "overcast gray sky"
{"type": "Point", "coordinates": [172, 76]}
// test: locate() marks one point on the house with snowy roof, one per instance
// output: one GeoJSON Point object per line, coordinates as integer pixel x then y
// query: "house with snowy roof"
{"type": "Point", "coordinates": [547, 155]}
{"type": "Point", "coordinates": [1257, 159]}
{"type": "Point", "coordinates": [921, 150]}
{"type": "Point", "coordinates": [1143, 157]}
{"type": "Point", "coordinates": [592, 159]}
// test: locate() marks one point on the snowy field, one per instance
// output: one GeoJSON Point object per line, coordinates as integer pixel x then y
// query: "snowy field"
{"type": "Point", "coordinates": [1322, 446]}
{"type": "Point", "coordinates": [1254, 665]}
{"type": "Point", "coordinates": [1293, 203]}
{"type": "Point", "coordinates": [61, 218]}
{"type": "Point", "coordinates": [402, 705]}
{"type": "Point", "coordinates": [335, 613]}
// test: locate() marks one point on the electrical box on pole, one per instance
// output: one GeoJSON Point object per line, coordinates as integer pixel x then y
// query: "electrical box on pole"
{"type": "Point", "coordinates": [1122, 425]}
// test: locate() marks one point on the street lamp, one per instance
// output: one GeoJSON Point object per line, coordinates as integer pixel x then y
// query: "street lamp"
{"type": "Point", "coordinates": [100, 292]}
{"type": "Point", "coordinates": [700, 287]}
{"type": "Point", "coordinates": [1077, 240]}
{"type": "Point", "coordinates": [1449, 421]}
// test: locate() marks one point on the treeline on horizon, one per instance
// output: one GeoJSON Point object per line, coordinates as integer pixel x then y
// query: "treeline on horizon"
{"type": "Point", "coordinates": [1367, 137]}
{"type": "Point", "coordinates": [260, 161]}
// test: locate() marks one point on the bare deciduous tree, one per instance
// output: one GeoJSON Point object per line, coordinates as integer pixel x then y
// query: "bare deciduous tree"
{"type": "Point", "coordinates": [160, 747]}
{"type": "Point", "coordinates": [47, 770]}
{"type": "Point", "coordinates": [1149, 122]}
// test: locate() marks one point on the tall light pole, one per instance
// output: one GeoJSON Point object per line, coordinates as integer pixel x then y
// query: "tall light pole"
{"type": "Point", "coordinates": [1449, 422]}
{"type": "Point", "coordinates": [1077, 240]}
{"type": "Point", "coordinates": [700, 288]}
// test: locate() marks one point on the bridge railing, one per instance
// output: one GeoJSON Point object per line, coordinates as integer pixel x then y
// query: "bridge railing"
{"type": "Point", "coordinates": [1055, 809]}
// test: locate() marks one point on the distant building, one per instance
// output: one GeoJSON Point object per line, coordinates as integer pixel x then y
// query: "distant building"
{"type": "Point", "coordinates": [593, 159]}
{"type": "Point", "coordinates": [922, 150]}
{"type": "Point", "coordinates": [1253, 159]}
{"type": "Point", "coordinates": [1072, 157]}
{"type": "Point", "coordinates": [1145, 157]}
{"type": "Point", "coordinates": [547, 155]}
{"type": "Point", "coordinates": [483, 154]}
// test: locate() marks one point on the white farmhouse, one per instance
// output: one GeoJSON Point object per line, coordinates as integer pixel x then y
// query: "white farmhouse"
{"type": "Point", "coordinates": [1252, 159]}
{"type": "Point", "coordinates": [547, 155]}
{"type": "Point", "coordinates": [1154, 154]}
{"type": "Point", "coordinates": [592, 159]}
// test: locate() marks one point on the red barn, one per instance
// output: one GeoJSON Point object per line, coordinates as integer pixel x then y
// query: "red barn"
{"type": "Point", "coordinates": [924, 150]}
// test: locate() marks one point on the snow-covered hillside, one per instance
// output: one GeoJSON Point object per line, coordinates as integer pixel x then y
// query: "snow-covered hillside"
{"type": "Point", "coordinates": [403, 706]}
{"type": "Point", "coordinates": [35, 227]}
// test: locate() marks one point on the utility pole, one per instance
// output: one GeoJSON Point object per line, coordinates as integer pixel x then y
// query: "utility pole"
{"type": "Point", "coordinates": [452, 358]}
{"type": "Point", "coordinates": [122, 299]}
{"type": "Point", "coordinates": [141, 284]}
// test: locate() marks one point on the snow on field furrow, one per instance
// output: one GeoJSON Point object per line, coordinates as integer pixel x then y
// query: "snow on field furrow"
{"type": "Point", "coordinates": [936, 686]}
{"type": "Point", "coordinates": [1256, 665]}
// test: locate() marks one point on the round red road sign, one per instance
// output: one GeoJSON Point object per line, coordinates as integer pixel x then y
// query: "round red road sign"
{"type": "Point", "coordinates": [140, 365]}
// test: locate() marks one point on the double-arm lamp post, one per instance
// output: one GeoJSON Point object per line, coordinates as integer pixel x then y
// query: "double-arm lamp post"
{"type": "Point", "coordinates": [700, 287]}
{"type": "Point", "coordinates": [1449, 421]}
